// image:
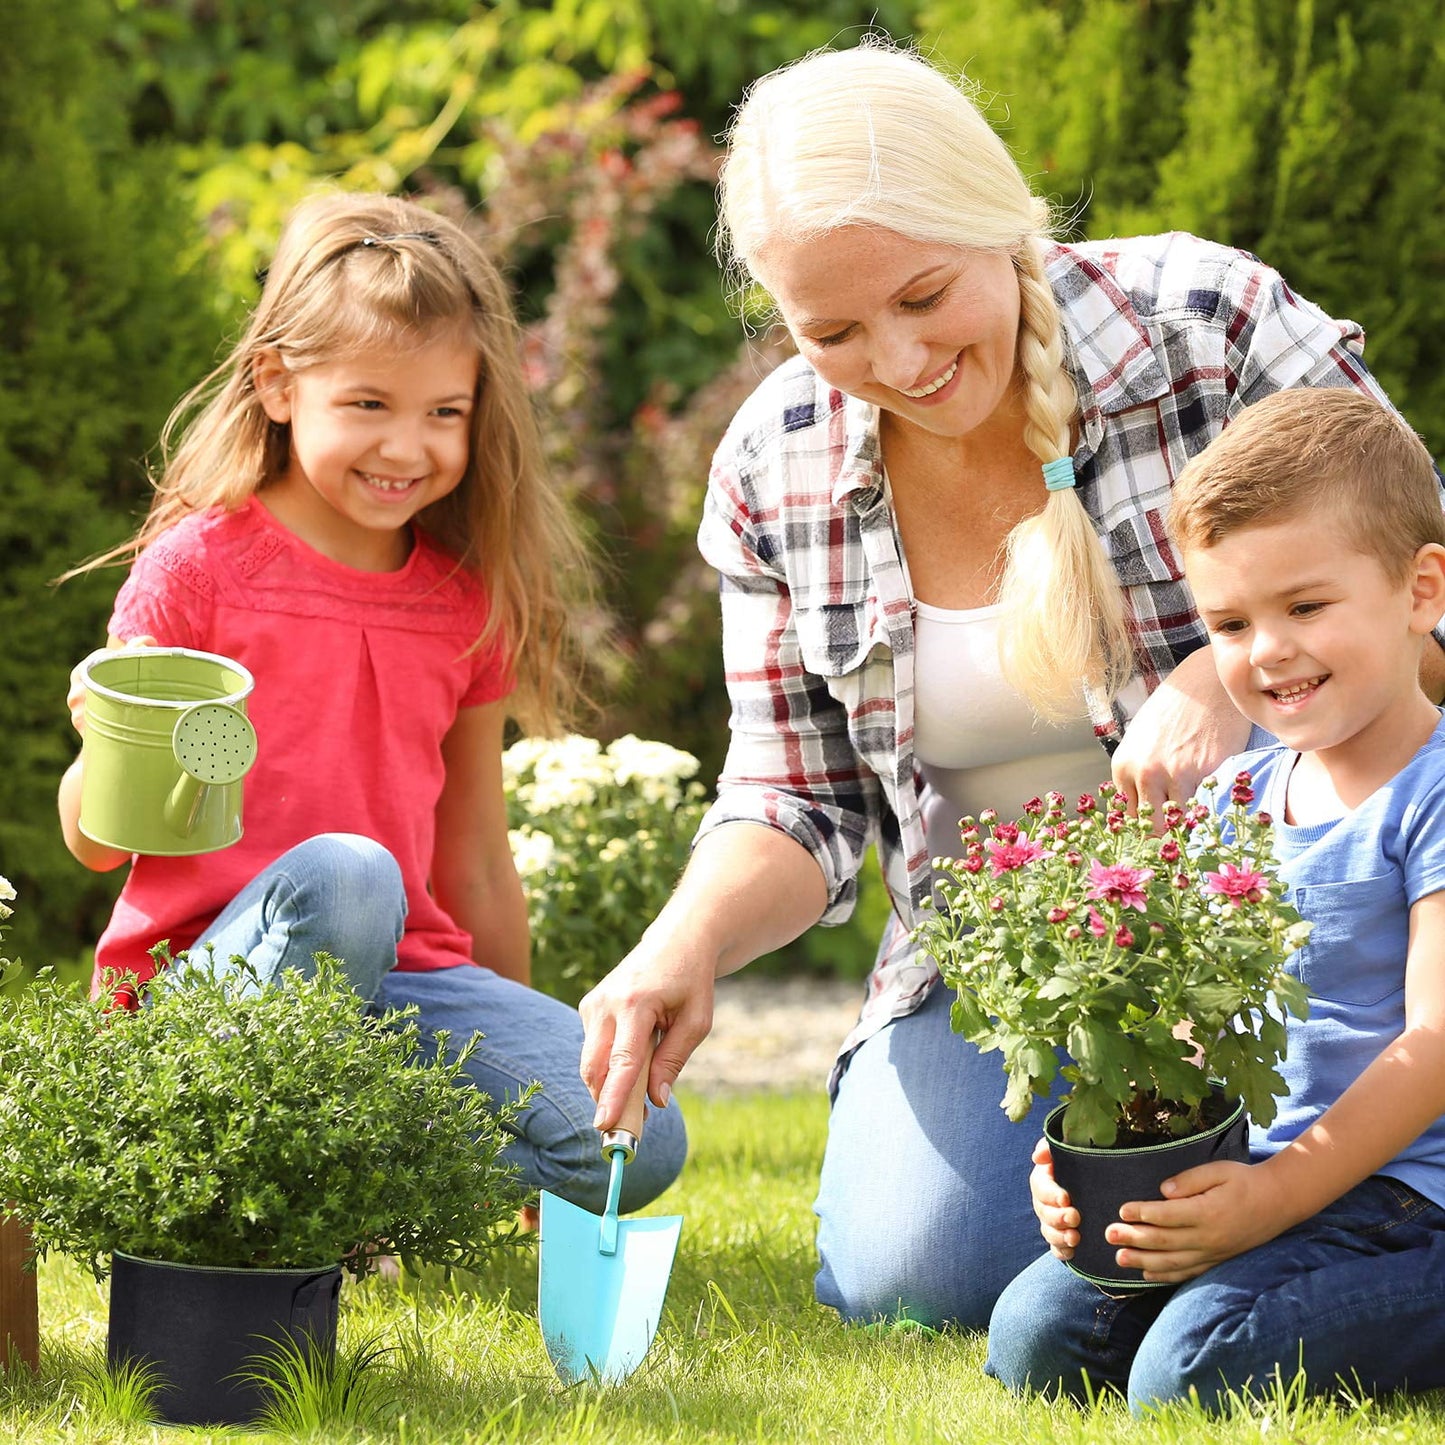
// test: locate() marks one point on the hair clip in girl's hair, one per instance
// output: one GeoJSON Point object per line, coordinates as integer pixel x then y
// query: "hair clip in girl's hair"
{"type": "Point", "coordinates": [1059, 474]}
{"type": "Point", "coordinates": [432, 238]}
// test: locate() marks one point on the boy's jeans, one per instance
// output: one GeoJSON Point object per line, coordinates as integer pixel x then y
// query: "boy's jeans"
{"type": "Point", "coordinates": [1356, 1295]}
{"type": "Point", "coordinates": [342, 894]}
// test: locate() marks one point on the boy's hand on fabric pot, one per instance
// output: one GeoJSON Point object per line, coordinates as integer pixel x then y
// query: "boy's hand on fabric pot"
{"type": "Point", "coordinates": [1210, 1214]}
{"type": "Point", "coordinates": [1058, 1219]}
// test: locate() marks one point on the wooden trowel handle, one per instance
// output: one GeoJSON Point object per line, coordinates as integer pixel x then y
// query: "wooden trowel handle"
{"type": "Point", "coordinates": [628, 1132]}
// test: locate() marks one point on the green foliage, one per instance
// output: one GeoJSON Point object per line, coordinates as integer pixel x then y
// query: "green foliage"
{"type": "Point", "coordinates": [311, 1393]}
{"type": "Point", "coordinates": [1302, 131]}
{"type": "Point", "coordinates": [1154, 962]}
{"type": "Point", "coordinates": [743, 1352]}
{"type": "Point", "coordinates": [105, 316]}
{"type": "Point", "coordinates": [227, 1124]}
{"type": "Point", "coordinates": [600, 836]}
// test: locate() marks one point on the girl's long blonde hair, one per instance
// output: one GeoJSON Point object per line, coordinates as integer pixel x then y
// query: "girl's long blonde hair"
{"type": "Point", "coordinates": [354, 271]}
{"type": "Point", "coordinates": [877, 136]}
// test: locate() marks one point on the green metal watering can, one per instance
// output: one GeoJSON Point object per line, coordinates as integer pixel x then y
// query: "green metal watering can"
{"type": "Point", "coordinates": [167, 743]}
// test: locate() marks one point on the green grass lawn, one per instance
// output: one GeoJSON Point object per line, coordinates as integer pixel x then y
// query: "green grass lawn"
{"type": "Point", "coordinates": [743, 1353]}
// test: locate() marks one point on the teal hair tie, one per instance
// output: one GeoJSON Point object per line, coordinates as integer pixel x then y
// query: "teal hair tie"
{"type": "Point", "coordinates": [1059, 475]}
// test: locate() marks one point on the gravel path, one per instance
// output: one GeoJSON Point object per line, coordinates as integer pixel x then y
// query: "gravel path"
{"type": "Point", "coordinates": [772, 1033]}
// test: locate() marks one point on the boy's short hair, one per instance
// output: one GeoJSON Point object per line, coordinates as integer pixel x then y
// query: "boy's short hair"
{"type": "Point", "coordinates": [1309, 449]}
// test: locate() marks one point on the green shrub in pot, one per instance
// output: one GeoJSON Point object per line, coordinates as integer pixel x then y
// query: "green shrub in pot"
{"type": "Point", "coordinates": [224, 1124]}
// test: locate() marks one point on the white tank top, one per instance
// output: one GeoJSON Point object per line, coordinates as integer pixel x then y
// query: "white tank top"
{"type": "Point", "coordinates": [978, 742]}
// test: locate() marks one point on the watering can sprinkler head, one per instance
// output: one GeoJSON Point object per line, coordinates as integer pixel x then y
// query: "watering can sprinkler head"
{"type": "Point", "coordinates": [215, 745]}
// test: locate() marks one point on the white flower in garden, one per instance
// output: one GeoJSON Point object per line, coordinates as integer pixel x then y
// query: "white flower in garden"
{"type": "Point", "coordinates": [7, 892]}
{"type": "Point", "coordinates": [532, 852]}
{"type": "Point", "coordinates": [569, 774]}
{"type": "Point", "coordinates": [523, 755]}
{"type": "Point", "coordinates": [655, 769]}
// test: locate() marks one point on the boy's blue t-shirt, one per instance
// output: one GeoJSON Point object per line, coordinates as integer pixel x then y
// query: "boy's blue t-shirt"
{"type": "Point", "coordinates": [1355, 879]}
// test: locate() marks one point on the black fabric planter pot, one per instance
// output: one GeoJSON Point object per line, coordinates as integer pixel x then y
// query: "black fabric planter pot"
{"type": "Point", "coordinates": [1100, 1181]}
{"type": "Point", "coordinates": [203, 1330]}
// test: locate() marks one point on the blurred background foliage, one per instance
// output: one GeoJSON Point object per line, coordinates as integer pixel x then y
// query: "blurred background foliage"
{"type": "Point", "coordinates": [149, 149]}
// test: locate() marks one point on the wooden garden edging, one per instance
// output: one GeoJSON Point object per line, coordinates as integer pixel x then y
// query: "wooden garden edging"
{"type": "Point", "coordinates": [19, 1305]}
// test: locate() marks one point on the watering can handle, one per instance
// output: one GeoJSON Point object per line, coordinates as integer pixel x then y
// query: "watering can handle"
{"type": "Point", "coordinates": [628, 1132]}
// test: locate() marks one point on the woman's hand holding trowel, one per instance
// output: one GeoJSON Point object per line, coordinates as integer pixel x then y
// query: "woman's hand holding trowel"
{"type": "Point", "coordinates": [746, 891]}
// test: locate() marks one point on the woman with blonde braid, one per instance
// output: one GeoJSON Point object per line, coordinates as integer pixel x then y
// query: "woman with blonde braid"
{"type": "Point", "coordinates": [946, 587]}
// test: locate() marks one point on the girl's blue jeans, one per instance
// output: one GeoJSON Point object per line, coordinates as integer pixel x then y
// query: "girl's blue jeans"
{"type": "Point", "coordinates": [923, 1206]}
{"type": "Point", "coordinates": [342, 894]}
{"type": "Point", "coordinates": [1354, 1296]}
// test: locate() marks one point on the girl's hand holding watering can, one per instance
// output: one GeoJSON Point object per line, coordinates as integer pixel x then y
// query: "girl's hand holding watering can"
{"type": "Point", "coordinates": [75, 698]}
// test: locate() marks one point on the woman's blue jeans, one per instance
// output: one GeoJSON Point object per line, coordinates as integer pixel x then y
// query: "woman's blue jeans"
{"type": "Point", "coordinates": [342, 894]}
{"type": "Point", "coordinates": [923, 1206]}
{"type": "Point", "coordinates": [1355, 1297]}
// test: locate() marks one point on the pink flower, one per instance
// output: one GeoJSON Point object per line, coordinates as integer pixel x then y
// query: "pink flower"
{"type": "Point", "coordinates": [1073, 858]}
{"type": "Point", "coordinates": [1237, 886]}
{"type": "Point", "coordinates": [1034, 807]}
{"type": "Point", "coordinates": [996, 903]}
{"type": "Point", "coordinates": [1169, 851]}
{"type": "Point", "coordinates": [1119, 884]}
{"type": "Point", "coordinates": [1087, 803]}
{"type": "Point", "coordinates": [1123, 938]}
{"type": "Point", "coordinates": [1097, 926]}
{"type": "Point", "coordinates": [973, 864]}
{"type": "Point", "coordinates": [1007, 832]}
{"type": "Point", "coordinates": [1006, 857]}
{"type": "Point", "coordinates": [1057, 915]}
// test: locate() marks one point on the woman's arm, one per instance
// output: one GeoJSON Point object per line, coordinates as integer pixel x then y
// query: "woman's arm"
{"type": "Point", "coordinates": [1185, 729]}
{"type": "Point", "coordinates": [747, 890]}
{"type": "Point", "coordinates": [472, 873]}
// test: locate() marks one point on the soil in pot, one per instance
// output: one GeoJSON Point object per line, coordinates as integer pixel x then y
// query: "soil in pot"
{"type": "Point", "coordinates": [1100, 1181]}
{"type": "Point", "coordinates": [205, 1331]}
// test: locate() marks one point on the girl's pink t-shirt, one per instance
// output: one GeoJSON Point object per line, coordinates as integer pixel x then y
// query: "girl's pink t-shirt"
{"type": "Point", "coordinates": [359, 676]}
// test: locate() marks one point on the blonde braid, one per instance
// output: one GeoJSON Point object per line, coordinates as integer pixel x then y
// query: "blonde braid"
{"type": "Point", "coordinates": [1063, 612]}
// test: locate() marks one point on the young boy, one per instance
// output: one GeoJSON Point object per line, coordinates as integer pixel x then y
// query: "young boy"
{"type": "Point", "coordinates": [1311, 535]}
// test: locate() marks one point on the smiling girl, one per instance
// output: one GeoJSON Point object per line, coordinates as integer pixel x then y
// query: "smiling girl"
{"type": "Point", "coordinates": [355, 507]}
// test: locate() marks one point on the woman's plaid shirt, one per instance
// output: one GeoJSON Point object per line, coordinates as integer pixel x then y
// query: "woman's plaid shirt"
{"type": "Point", "coordinates": [1167, 337]}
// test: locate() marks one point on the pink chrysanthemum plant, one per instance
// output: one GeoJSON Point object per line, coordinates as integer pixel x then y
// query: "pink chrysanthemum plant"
{"type": "Point", "coordinates": [1139, 965]}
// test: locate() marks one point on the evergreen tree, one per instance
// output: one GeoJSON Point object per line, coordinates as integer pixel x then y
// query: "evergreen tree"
{"type": "Point", "coordinates": [103, 322]}
{"type": "Point", "coordinates": [1305, 131]}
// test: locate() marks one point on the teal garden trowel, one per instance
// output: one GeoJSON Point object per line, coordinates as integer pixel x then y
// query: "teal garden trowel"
{"type": "Point", "coordinates": [601, 1282]}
